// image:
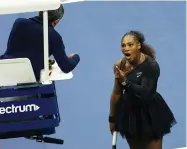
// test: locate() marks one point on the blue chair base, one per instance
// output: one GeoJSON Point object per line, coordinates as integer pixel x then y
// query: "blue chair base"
{"type": "Point", "coordinates": [36, 116]}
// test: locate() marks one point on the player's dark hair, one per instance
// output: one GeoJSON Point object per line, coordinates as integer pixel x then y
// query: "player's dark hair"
{"type": "Point", "coordinates": [145, 48]}
{"type": "Point", "coordinates": [54, 14]}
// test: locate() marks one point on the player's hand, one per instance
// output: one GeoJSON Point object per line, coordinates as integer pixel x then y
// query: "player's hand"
{"type": "Point", "coordinates": [119, 74]}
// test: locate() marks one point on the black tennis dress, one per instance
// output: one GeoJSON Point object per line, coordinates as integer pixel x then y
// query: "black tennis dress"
{"type": "Point", "coordinates": [141, 110]}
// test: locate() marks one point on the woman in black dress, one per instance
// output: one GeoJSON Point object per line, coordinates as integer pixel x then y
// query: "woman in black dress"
{"type": "Point", "coordinates": [137, 110]}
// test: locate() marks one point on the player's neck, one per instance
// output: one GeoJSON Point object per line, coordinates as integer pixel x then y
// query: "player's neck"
{"type": "Point", "coordinates": [139, 59]}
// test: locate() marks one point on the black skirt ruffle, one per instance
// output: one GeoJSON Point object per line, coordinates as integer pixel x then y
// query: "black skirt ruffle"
{"type": "Point", "coordinates": [144, 118]}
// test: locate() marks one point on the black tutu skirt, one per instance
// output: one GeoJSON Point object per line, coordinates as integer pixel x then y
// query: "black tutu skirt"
{"type": "Point", "coordinates": [140, 118]}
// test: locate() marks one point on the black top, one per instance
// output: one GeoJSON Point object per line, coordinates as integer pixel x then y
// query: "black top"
{"type": "Point", "coordinates": [142, 81]}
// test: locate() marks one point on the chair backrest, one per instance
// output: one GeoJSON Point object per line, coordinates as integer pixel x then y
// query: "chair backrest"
{"type": "Point", "coordinates": [15, 71]}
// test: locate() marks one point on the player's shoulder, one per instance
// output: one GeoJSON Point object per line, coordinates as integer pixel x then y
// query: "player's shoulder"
{"type": "Point", "coordinates": [152, 64]}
